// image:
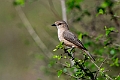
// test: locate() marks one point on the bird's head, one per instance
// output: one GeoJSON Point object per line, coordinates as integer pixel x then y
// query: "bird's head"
{"type": "Point", "coordinates": [60, 24]}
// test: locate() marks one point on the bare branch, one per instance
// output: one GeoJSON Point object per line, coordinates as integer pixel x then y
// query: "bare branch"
{"type": "Point", "coordinates": [32, 32]}
{"type": "Point", "coordinates": [103, 62]}
{"type": "Point", "coordinates": [107, 76]}
{"type": "Point", "coordinates": [101, 66]}
{"type": "Point", "coordinates": [64, 16]}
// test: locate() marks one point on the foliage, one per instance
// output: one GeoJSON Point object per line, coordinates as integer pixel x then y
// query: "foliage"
{"type": "Point", "coordinates": [19, 2]}
{"type": "Point", "coordinates": [103, 44]}
{"type": "Point", "coordinates": [81, 68]}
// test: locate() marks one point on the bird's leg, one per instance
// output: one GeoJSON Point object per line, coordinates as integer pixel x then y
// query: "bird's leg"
{"type": "Point", "coordinates": [72, 56]}
{"type": "Point", "coordinates": [85, 57]}
{"type": "Point", "coordinates": [71, 51]}
{"type": "Point", "coordinates": [66, 49]}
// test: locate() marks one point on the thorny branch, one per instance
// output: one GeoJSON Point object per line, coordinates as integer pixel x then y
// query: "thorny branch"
{"type": "Point", "coordinates": [86, 70]}
{"type": "Point", "coordinates": [81, 65]}
{"type": "Point", "coordinates": [32, 32]}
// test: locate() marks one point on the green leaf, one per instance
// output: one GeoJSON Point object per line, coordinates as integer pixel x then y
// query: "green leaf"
{"type": "Point", "coordinates": [59, 46]}
{"type": "Point", "coordinates": [107, 33]}
{"type": "Point", "coordinates": [107, 42]}
{"type": "Point", "coordinates": [67, 64]}
{"type": "Point", "coordinates": [101, 11]}
{"type": "Point", "coordinates": [59, 73]}
{"type": "Point", "coordinates": [64, 57]}
{"type": "Point", "coordinates": [54, 50]}
{"type": "Point", "coordinates": [100, 51]}
{"type": "Point", "coordinates": [108, 30]}
{"type": "Point", "coordinates": [112, 51]}
{"type": "Point", "coordinates": [104, 4]}
{"type": "Point", "coordinates": [57, 56]}
{"type": "Point", "coordinates": [19, 2]}
{"type": "Point", "coordinates": [65, 70]}
{"type": "Point", "coordinates": [71, 4]}
{"type": "Point", "coordinates": [80, 36]}
{"type": "Point", "coordinates": [51, 63]}
{"type": "Point", "coordinates": [115, 63]}
{"type": "Point", "coordinates": [98, 37]}
{"type": "Point", "coordinates": [102, 69]}
{"type": "Point", "coordinates": [118, 77]}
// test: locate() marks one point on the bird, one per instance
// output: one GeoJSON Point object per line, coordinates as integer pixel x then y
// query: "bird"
{"type": "Point", "coordinates": [68, 38]}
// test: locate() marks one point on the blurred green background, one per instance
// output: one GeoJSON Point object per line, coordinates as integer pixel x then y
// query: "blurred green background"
{"type": "Point", "coordinates": [21, 58]}
{"type": "Point", "coordinates": [18, 50]}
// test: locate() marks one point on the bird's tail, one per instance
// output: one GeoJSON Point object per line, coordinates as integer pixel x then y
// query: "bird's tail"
{"type": "Point", "coordinates": [87, 52]}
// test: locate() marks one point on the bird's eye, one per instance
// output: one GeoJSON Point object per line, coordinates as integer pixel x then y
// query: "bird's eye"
{"type": "Point", "coordinates": [59, 23]}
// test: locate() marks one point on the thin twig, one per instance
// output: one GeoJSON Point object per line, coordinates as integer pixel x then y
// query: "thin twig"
{"type": "Point", "coordinates": [117, 17]}
{"type": "Point", "coordinates": [103, 62]}
{"type": "Point", "coordinates": [100, 67]}
{"type": "Point", "coordinates": [100, 70]}
{"type": "Point", "coordinates": [71, 75]}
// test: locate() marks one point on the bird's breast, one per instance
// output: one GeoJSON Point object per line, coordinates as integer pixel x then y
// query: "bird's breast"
{"type": "Point", "coordinates": [60, 35]}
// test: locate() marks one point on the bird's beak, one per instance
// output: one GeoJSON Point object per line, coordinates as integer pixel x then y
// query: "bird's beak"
{"type": "Point", "coordinates": [53, 25]}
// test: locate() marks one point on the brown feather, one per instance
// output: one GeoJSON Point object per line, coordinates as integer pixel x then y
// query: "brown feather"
{"type": "Point", "coordinates": [69, 36]}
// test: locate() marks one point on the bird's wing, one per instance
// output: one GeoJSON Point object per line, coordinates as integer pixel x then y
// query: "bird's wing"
{"type": "Point", "coordinates": [69, 36]}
